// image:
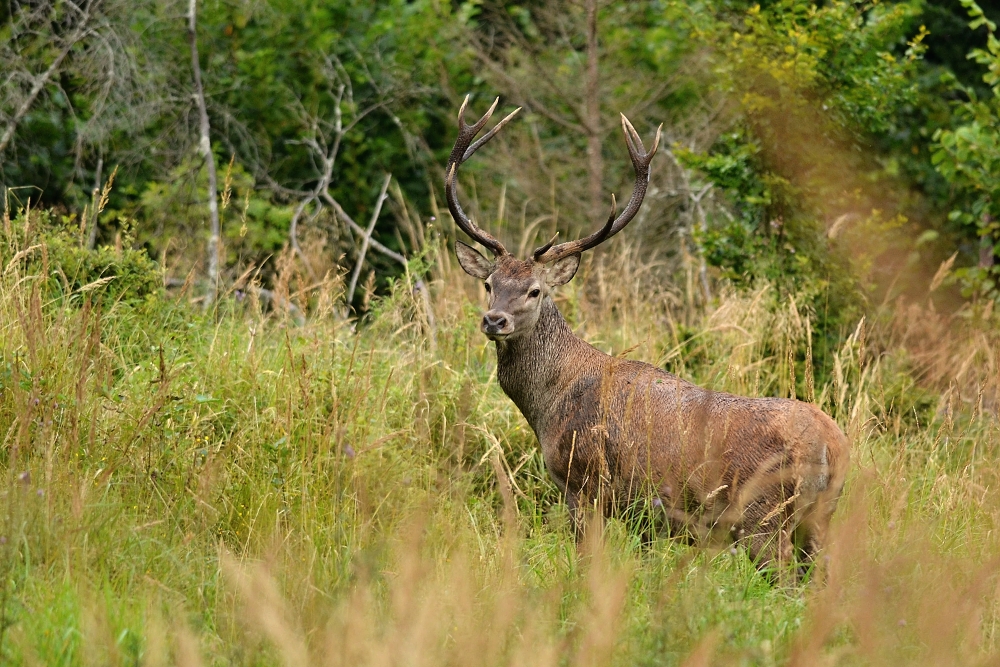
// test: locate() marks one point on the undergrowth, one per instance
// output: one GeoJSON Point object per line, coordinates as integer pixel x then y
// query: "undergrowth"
{"type": "Point", "coordinates": [233, 487]}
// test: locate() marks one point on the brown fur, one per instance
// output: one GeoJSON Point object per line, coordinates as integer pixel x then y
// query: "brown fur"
{"type": "Point", "coordinates": [766, 472]}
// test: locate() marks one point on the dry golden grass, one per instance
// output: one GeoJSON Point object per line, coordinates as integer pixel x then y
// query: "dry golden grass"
{"type": "Point", "coordinates": [189, 490]}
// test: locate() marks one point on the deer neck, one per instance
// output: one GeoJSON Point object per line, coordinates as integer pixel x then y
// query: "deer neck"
{"type": "Point", "coordinates": [531, 368]}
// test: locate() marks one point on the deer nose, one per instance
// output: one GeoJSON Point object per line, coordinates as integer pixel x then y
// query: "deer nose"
{"type": "Point", "coordinates": [496, 322]}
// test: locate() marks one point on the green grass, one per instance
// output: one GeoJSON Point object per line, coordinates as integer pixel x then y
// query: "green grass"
{"type": "Point", "coordinates": [181, 488]}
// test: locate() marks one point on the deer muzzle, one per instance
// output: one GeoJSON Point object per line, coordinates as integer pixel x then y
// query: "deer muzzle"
{"type": "Point", "coordinates": [497, 324]}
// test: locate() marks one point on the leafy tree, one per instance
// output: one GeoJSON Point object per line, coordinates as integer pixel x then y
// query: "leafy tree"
{"type": "Point", "coordinates": [574, 67]}
{"type": "Point", "coordinates": [312, 98]}
{"type": "Point", "coordinates": [804, 195]}
{"type": "Point", "coordinates": [968, 157]}
{"type": "Point", "coordinates": [809, 139]}
{"type": "Point", "coordinates": [73, 77]}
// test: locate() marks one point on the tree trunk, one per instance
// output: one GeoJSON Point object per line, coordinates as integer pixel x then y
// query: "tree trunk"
{"type": "Point", "coordinates": [205, 148]}
{"type": "Point", "coordinates": [595, 161]}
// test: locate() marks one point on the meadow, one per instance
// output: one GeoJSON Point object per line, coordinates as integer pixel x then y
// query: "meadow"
{"type": "Point", "coordinates": [243, 485]}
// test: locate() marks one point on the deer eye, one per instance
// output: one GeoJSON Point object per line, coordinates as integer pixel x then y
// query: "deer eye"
{"type": "Point", "coordinates": [488, 288]}
{"type": "Point", "coordinates": [534, 293]}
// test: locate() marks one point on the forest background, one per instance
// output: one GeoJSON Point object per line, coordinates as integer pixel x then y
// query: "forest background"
{"type": "Point", "coordinates": [787, 122]}
{"type": "Point", "coordinates": [246, 416]}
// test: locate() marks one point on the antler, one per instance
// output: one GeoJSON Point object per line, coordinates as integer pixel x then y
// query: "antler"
{"type": "Point", "coordinates": [459, 154]}
{"type": "Point", "coordinates": [640, 162]}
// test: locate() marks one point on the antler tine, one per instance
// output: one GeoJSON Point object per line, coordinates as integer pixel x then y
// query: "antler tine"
{"type": "Point", "coordinates": [461, 152]}
{"type": "Point", "coordinates": [547, 253]}
{"type": "Point", "coordinates": [640, 163]}
{"type": "Point", "coordinates": [636, 151]}
{"type": "Point", "coordinates": [541, 250]}
{"type": "Point", "coordinates": [489, 135]}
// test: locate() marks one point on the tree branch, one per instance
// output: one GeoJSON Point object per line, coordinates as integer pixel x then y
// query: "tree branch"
{"type": "Point", "coordinates": [367, 239]}
{"type": "Point", "coordinates": [41, 80]}
{"type": "Point", "coordinates": [357, 229]}
{"type": "Point", "coordinates": [529, 100]}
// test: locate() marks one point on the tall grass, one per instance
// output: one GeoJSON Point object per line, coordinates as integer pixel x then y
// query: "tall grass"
{"type": "Point", "coordinates": [182, 489]}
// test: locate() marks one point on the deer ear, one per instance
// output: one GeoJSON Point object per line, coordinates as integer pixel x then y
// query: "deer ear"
{"type": "Point", "coordinates": [562, 271]}
{"type": "Point", "coordinates": [472, 262]}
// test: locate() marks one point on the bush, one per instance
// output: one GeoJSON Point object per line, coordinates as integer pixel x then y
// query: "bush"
{"type": "Point", "coordinates": [52, 249]}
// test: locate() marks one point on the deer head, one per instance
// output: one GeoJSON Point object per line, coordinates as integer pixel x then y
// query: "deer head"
{"type": "Point", "coordinates": [517, 288]}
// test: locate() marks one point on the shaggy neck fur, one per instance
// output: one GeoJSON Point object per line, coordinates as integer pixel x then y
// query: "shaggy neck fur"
{"type": "Point", "coordinates": [531, 368]}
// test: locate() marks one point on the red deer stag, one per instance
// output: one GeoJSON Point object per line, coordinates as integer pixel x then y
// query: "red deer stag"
{"type": "Point", "coordinates": [764, 472]}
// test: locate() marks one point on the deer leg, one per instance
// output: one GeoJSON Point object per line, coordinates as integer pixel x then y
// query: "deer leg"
{"type": "Point", "coordinates": [768, 539]}
{"type": "Point", "coordinates": [772, 552]}
{"type": "Point", "coordinates": [577, 515]}
{"type": "Point", "coordinates": [584, 508]}
{"type": "Point", "coordinates": [811, 533]}
{"type": "Point", "coordinates": [811, 530]}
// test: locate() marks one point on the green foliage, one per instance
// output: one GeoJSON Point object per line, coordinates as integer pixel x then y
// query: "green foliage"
{"type": "Point", "coordinates": [76, 81]}
{"type": "Point", "coordinates": [839, 55]}
{"type": "Point", "coordinates": [254, 227]}
{"type": "Point", "coordinates": [737, 243]}
{"type": "Point", "coordinates": [808, 86]}
{"type": "Point", "coordinates": [968, 157]}
{"type": "Point", "coordinates": [278, 70]}
{"type": "Point", "coordinates": [808, 78]}
{"type": "Point", "coordinates": [765, 237]}
{"type": "Point", "coordinates": [73, 273]}
{"type": "Point", "coordinates": [130, 274]}
{"type": "Point", "coordinates": [816, 84]}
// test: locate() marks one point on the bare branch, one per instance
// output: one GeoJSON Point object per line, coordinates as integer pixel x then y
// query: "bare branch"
{"type": "Point", "coordinates": [87, 42]}
{"type": "Point", "coordinates": [367, 239]}
{"type": "Point", "coordinates": [529, 100]}
{"type": "Point", "coordinates": [39, 83]}
{"type": "Point", "coordinates": [357, 229]}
